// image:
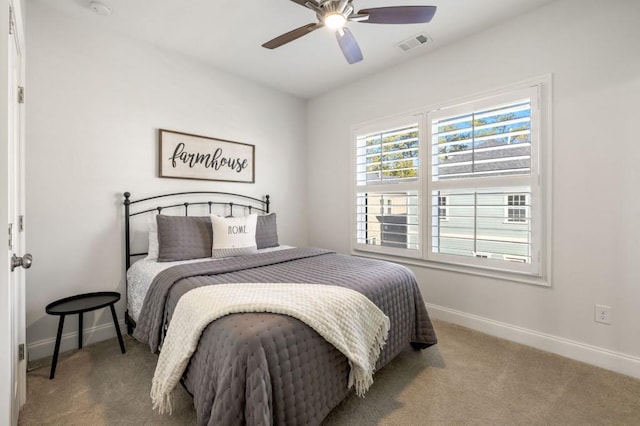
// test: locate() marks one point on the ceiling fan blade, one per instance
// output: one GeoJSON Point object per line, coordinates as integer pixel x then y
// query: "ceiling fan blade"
{"type": "Point", "coordinates": [291, 35]}
{"type": "Point", "coordinates": [357, 17]}
{"type": "Point", "coordinates": [349, 45]}
{"type": "Point", "coordinates": [398, 14]}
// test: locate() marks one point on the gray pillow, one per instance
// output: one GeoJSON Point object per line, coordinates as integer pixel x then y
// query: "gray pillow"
{"type": "Point", "coordinates": [184, 237]}
{"type": "Point", "coordinates": [267, 231]}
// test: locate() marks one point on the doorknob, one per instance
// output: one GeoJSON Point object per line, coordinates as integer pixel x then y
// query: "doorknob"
{"type": "Point", "coordinates": [24, 261]}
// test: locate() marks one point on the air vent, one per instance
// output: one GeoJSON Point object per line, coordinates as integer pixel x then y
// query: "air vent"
{"type": "Point", "coordinates": [415, 41]}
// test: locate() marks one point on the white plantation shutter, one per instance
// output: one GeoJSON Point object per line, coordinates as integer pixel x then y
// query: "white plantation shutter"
{"type": "Point", "coordinates": [387, 188]}
{"type": "Point", "coordinates": [483, 162]}
{"type": "Point", "coordinates": [494, 142]}
{"type": "Point", "coordinates": [388, 156]}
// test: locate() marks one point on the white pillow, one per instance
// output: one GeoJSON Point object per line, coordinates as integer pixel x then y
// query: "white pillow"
{"type": "Point", "coordinates": [154, 247]}
{"type": "Point", "coordinates": [234, 236]}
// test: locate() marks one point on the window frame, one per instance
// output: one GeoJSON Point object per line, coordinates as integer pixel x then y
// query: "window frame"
{"type": "Point", "coordinates": [479, 183]}
{"type": "Point", "coordinates": [541, 178]}
{"type": "Point", "coordinates": [386, 187]}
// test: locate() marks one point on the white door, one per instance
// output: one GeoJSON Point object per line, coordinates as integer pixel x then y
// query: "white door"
{"type": "Point", "coordinates": [16, 261]}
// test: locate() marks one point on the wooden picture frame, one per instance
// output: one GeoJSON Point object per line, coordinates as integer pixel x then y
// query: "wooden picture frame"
{"type": "Point", "coordinates": [187, 156]}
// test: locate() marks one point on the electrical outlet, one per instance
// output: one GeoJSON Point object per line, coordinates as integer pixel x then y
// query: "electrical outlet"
{"type": "Point", "coordinates": [603, 314]}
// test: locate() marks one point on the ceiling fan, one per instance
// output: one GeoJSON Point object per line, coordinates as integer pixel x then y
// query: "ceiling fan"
{"type": "Point", "coordinates": [334, 14]}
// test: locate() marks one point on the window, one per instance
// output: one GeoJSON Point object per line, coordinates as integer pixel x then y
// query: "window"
{"type": "Point", "coordinates": [516, 210]}
{"type": "Point", "coordinates": [481, 160]}
{"type": "Point", "coordinates": [467, 193]}
{"type": "Point", "coordinates": [387, 187]}
{"type": "Point", "coordinates": [442, 208]}
{"type": "Point", "coordinates": [520, 259]}
{"type": "Point", "coordinates": [482, 255]}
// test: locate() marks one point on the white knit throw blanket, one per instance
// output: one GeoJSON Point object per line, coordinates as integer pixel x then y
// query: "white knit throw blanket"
{"type": "Point", "coordinates": [343, 317]}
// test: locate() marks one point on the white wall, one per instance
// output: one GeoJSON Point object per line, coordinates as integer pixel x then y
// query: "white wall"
{"type": "Point", "coordinates": [94, 104]}
{"type": "Point", "coordinates": [591, 50]}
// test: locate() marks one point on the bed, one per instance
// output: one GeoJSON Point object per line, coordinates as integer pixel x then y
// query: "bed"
{"type": "Point", "coordinates": [257, 368]}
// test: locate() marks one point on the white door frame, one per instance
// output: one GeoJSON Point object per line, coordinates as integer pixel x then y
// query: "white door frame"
{"type": "Point", "coordinates": [12, 294]}
{"type": "Point", "coordinates": [6, 366]}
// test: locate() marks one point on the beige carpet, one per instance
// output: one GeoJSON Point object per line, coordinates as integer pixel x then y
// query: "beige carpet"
{"type": "Point", "coordinates": [469, 378]}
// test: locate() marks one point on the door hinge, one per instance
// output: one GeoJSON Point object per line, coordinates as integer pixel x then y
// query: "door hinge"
{"type": "Point", "coordinates": [20, 94]}
{"type": "Point", "coordinates": [21, 352]}
{"type": "Point", "coordinates": [12, 21]}
{"type": "Point", "coordinates": [10, 236]}
{"type": "Point", "coordinates": [21, 223]}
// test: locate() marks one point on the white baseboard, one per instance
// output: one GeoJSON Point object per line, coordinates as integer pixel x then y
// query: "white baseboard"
{"type": "Point", "coordinates": [45, 348]}
{"type": "Point", "coordinates": [615, 361]}
{"type": "Point", "coordinates": [600, 357]}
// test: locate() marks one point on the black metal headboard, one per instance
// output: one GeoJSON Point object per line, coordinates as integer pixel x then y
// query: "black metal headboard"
{"type": "Point", "coordinates": [234, 200]}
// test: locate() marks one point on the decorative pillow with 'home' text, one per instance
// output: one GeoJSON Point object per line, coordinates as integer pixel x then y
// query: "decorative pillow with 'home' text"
{"type": "Point", "coordinates": [234, 236]}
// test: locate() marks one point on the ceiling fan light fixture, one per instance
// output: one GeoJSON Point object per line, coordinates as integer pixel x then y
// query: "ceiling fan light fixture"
{"type": "Point", "coordinates": [335, 20]}
{"type": "Point", "coordinates": [334, 14]}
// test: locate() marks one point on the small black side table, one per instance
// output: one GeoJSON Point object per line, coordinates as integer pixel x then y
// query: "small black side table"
{"type": "Point", "coordinates": [80, 304]}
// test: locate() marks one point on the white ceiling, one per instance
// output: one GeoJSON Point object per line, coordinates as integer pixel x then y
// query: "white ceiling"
{"type": "Point", "coordinates": [228, 35]}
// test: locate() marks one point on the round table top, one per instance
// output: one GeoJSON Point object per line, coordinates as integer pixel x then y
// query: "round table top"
{"type": "Point", "coordinates": [82, 303]}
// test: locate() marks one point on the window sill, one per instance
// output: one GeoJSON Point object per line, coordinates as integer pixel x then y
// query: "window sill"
{"type": "Point", "coordinates": [461, 269]}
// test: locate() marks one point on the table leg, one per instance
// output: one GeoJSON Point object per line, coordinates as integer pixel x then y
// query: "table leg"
{"type": "Point", "coordinates": [115, 323]}
{"type": "Point", "coordinates": [57, 349]}
{"type": "Point", "coordinates": [80, 330]}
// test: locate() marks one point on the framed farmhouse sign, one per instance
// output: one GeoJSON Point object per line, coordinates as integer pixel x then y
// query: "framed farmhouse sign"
{"type": "Point", "coordinates": [199, 157]}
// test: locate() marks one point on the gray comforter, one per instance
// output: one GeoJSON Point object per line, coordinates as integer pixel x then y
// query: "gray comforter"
{"type": "Point", "coordinates": [260, 368]}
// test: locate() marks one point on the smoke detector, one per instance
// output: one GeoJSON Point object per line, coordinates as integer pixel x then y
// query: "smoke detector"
{"type": "Point", "coordinates": [100, 8]}
{"type": "Point", "coordinates": [413, 42]}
